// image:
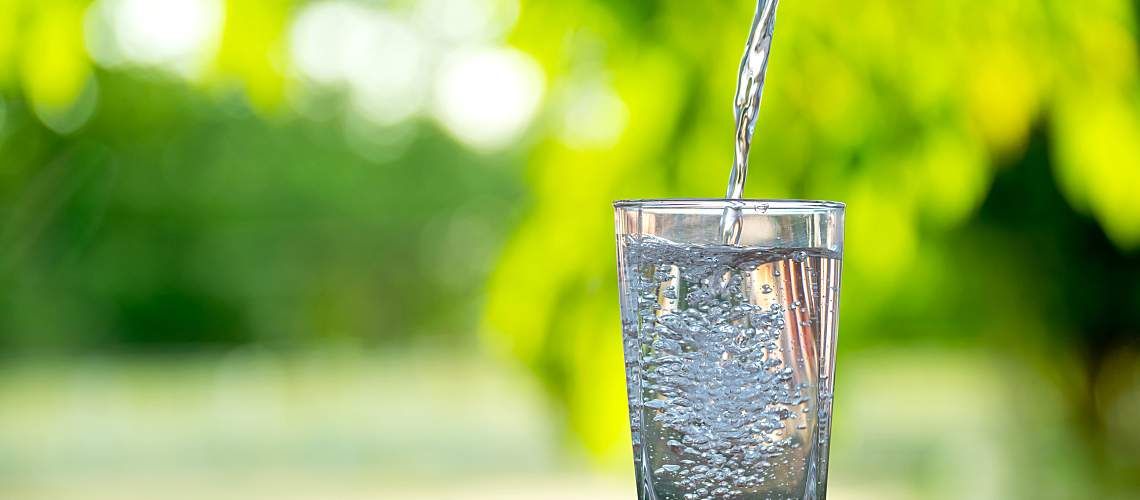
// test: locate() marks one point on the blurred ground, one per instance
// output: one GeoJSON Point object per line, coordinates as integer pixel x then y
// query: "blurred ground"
{"type": "Point", "coordinates": [341, 424]}
{"type": "Point", "coordinates": [329, 424]}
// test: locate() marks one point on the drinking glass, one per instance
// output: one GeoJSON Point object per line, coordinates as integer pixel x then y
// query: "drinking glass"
{"type": "Point", "coordinates": [729, 348]}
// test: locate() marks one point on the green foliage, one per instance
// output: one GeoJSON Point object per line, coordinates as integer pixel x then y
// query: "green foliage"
{"type": "Point", "coordinates": [175, 219]}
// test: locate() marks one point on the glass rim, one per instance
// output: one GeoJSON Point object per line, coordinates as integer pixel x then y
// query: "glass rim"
{"type": "Point", "coordinates": [776, 205]}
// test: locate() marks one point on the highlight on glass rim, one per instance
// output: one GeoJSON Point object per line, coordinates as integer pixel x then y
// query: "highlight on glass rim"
{"type": "Point", "coordinates": [484, 249]}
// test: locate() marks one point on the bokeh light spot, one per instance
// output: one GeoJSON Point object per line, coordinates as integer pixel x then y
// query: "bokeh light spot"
{"type": "Point", "coordinates": [467, 20]}
{"type": "Point", "coordinates": [486, 97]}
{"type": "Point", "coordinates": [178, 35]}
{"type": "Point", "coordinates": [377, 57]}
{"type": "Point", "coordinates": [318, 34]}
{"type": "Point", "coordinates": [594, 116]}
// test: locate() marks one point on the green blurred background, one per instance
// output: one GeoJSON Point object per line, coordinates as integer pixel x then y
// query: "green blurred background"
{"type": "Point", "coordinates": [363, 249]}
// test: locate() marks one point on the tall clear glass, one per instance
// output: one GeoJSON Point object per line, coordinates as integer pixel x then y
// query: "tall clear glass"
{"type": "Point", "coordinates": [730, 349]}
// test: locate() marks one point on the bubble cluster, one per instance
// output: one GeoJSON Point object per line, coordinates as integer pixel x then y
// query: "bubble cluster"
{"type": "Point", "coordinates": [722, 364]}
